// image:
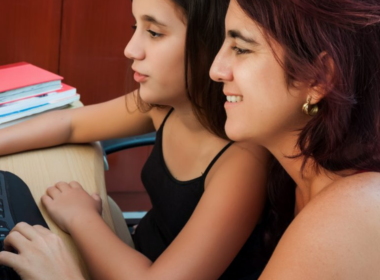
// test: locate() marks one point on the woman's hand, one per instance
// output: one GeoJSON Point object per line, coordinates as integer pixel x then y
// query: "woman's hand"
{"type": "Point", "coordinates": [41, 254]}
{"type": "Point", "coordinates": [67, 203]}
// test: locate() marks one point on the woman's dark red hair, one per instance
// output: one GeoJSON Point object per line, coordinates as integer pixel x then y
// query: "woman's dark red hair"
{"type": "Point", "coordinates": [335, 45]}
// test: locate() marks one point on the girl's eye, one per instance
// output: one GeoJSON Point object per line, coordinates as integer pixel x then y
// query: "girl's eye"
{"type": "Point", "coordinates": [239, 50]}
{"type": "Point", "coordinates": [154, 34]}
{"type": "Point", "coordinates": [134, 27]}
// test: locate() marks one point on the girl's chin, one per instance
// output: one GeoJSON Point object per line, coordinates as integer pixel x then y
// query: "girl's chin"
{"type": "Point", "coordinates": [148, 96]}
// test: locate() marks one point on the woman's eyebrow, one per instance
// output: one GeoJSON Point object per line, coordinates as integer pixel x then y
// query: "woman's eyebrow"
{"type": "Point", "coordinates": [153, 20]}
{"type": "Point", "coordinates": [235, 34]}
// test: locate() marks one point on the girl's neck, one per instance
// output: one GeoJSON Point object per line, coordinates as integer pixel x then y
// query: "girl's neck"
{"type": "Point", "coordinates": [183, 113]}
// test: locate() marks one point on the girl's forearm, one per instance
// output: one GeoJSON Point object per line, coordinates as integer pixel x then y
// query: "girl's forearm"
{"type": "Point", "coordinates": [46, 130]}
{"type": "Point", "coordinates": [106, 256]}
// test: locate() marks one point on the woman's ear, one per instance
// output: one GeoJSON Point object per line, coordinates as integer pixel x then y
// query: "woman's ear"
{"type": "Point", "coordinates": [325, 80]}
{"type": "Point", "coordinates": [316, 94]}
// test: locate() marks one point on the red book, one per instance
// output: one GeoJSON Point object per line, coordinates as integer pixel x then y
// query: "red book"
{"type": "Point", "coordinates": [24, 79]}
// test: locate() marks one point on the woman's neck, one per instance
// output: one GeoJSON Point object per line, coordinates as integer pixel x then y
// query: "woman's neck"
{"type": "Point", "coordinates": [309, 181]}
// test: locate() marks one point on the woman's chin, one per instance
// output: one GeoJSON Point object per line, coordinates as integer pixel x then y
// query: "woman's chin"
{"type": "Point", "coordinates": [235, 132]}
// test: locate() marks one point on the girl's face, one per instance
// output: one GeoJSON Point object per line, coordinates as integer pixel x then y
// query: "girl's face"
{"type": "Point", "coordinates": [264, 108]}
{"type": "Point", "coordinates": [157, 49]}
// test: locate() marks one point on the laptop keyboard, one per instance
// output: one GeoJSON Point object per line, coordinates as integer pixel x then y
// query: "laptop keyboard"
{"type": "Point", "coordinates": [6, 224]}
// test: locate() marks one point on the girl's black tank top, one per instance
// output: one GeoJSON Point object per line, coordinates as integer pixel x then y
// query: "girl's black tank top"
{"type": "Point", "coordinates": [173, 202]}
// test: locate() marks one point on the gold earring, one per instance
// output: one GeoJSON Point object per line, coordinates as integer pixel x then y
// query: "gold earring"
{"type": "Point", "coordinates": [309, 109]}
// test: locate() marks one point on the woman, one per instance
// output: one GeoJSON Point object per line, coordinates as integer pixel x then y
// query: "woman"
{"type": "Point", "coordinates": [306, 74]}
{"type": "Point", "coordinates": [206, 200]}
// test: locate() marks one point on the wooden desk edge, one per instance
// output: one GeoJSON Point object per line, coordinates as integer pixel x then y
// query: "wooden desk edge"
{"type": "Point", "coordinates": [42, 168]}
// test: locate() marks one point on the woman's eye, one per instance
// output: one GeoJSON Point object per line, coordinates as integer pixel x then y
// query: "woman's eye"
{"type": "Point", "coordinates": [134, 27]}
{"type": "Point", "coordinates": [239, 50]}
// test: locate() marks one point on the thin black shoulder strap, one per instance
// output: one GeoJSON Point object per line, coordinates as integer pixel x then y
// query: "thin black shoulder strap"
{"type": "Point", "coordinates": [216, 158]}
{"type": "Point", "coordinates": [167, 116]}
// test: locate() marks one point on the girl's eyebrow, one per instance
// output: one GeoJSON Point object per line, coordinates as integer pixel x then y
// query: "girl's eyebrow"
{"type": "Point", "coordinates": [153, 20]}
{"type": "Point", "coordinates": [235, 34]}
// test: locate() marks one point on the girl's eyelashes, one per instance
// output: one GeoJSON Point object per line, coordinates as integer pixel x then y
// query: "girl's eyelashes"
{"type": "Point", "coordinates": [240, 51]}
{"type": "Point", "coordinates": [151, 32]}
{"type": "Point", "coordinates": [154, 34]}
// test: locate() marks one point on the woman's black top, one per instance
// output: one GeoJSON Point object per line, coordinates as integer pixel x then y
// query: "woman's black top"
{"type": "Point", "coordinates": [173, 202]}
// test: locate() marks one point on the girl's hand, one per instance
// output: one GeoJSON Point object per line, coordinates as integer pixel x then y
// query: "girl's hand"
{"type": "Point", "coordinates": [67, 203]}
{"type": "Point", "coordinates": [41, 254]}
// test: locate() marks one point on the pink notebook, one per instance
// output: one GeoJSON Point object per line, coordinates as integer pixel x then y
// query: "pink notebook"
{"type": "Point", "coordinates": [65, 90]}
{"type": "Point", "coordinates": [23, 74]}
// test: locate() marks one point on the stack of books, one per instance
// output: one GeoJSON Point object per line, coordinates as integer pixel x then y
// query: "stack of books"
{"type": "Point", "coordinates": [27, 90]}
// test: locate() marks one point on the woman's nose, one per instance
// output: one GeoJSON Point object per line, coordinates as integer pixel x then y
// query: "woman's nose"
{"type": "Point", "coordinates": [221, 68]}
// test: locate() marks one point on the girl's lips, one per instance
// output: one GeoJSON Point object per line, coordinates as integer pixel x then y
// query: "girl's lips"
{"type": "Point", "coordinates": [139, 77]}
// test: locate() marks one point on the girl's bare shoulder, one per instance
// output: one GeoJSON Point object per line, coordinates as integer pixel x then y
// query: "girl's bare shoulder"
{"type": "Point", "coordinates": [242, 153]}
{"type": "Point", "coordinates": [241, 163]}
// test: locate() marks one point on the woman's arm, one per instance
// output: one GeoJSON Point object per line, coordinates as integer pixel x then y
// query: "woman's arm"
{"type": "Point", "coordinates": [336, 236]}
{"type": "Point", "coordinates": [116, 118]}
{"type": "Point", "coordinates": [220, 225]}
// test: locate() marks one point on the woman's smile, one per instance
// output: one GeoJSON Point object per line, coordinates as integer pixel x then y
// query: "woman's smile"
{"type": "Point", "coordinates": [232, 100]}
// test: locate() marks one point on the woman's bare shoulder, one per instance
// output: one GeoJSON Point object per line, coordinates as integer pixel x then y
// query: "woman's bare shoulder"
{"type": "Point", "coordinates": [352, 193]}
{"type": "Point", "coordinates": [336, 236]}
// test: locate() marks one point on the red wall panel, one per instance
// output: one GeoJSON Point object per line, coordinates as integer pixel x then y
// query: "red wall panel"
{"type": "Point", "coordinates": [94, 35]}
{"type": "Point", "coordinates": [84, 42]}
{"type": "Point", "coordinates": [30, 31]}
{"type": "Point", "coordinates": [123, 179]}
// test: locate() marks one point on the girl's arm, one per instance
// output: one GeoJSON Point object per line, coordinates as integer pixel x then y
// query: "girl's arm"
{"type": "Point", "coordinates": [116, 118]}
{"type": "Point", "coordinates": [336, 236]}
{"type": "Point", "coordinates": [220, 225]}
{"type": "Point", "coordinates": [38, 248]}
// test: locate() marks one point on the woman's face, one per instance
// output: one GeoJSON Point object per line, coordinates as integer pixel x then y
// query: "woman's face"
{"type": "Point", "coordinates": [157, 49]}
{"type": "Point", "coordinates": [263, 107]}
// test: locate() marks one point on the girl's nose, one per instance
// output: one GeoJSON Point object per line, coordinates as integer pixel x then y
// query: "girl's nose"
{"type": "Point", "coordinates": [134, 49]}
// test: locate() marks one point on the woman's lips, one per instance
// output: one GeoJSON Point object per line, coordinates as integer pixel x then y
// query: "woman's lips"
{"type": "Point", "coordinates": [232, 100]}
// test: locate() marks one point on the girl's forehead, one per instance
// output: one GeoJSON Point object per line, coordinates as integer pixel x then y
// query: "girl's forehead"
{"type": "Point", "coordinates": [157, 7]}
{"type": "Point", "coordinates": [168, 11]}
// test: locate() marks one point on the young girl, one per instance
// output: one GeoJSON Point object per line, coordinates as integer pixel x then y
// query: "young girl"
{"type": "Point", "coordinates": [307, 76]}
{"type": "Point", "coordinates": [206, 199]}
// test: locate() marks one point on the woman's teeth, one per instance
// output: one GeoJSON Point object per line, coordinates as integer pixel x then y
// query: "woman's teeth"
{"type": "Point", "coordinates": [234, 98]}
